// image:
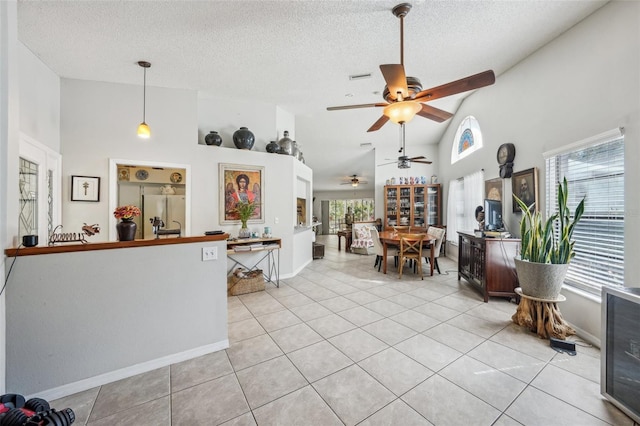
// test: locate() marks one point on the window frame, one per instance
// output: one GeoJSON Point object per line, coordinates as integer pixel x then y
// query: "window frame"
{"type": "Point", "coordinates": [596, 264]}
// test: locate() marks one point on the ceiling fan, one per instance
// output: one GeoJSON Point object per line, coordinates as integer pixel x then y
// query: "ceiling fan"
{"type": "Point", "coordinates": [354, 181]}
{"type": "Point", "coordinates": [404, 95]}
{"type": "Point", "coordinates": [403, 161]}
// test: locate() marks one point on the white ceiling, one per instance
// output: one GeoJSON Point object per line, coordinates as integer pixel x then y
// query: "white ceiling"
{"type": "Point", "coordinates": [297, 55]}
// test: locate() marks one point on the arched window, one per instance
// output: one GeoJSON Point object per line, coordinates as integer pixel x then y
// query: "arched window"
{"type": "Point", "coordinates": [468, 139]}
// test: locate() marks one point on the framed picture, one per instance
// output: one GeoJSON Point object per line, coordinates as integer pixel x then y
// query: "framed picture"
{"type": "Point", "coordinates": [85, 188]}
{"type": "Point", "coordinates": [493, 189]}
{"type": "Point", "coordinates": [524, 185]}
{"type": "Point", "coordinates": [241, 183]}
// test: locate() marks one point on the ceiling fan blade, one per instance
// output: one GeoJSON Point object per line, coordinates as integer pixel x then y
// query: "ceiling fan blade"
{"type": "Point", "coordinates": [476, 81]}
{"type": "Point", "coordinates": [381, 122]}
{"type": "Point", "coordinates": [386, 164]}
{"type": "Point", "coordinates": [396, 80]}
{"type": "Point", "coordinates": [420, 157]}
{"type": "Point", "coordinates": [421, 162]}
{"type": "Point", "coordinates": [434, 113]}
{"type": "Point", "coordinates": [336, 108]}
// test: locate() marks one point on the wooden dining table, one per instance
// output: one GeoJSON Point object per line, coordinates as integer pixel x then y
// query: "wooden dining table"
{"type": "Point", "coordinates": [392, 238]}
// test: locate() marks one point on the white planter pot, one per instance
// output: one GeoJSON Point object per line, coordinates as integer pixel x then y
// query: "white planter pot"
{"type": "Point", "coordinates": [541, 280]}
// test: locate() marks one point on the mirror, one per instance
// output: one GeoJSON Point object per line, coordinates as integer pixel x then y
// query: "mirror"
{"type": "Point", "coordinates": [160, 190]}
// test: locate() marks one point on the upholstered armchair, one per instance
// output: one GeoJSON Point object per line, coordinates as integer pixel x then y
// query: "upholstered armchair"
{"type": "Point", "coordinates": [362, 242]}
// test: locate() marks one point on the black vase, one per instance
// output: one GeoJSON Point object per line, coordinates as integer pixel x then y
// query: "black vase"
{"type": "Point", "coordinates": [213, 138]}
{"type": "Point", "coordinates": [273, 147]}
{"type": "Point", "coordinates": [243, 138]}
{"type": "Point", "coordinates": [126, 230]}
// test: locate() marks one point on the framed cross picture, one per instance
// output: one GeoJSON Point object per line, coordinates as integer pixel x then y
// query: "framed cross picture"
{"type": "Point", "coordinates": [85, 188]}
{"type": "Point", "coordinates": [524, 185]}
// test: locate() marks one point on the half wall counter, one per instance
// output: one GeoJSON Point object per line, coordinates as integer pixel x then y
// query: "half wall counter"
{"type": "Point", "coordinates": [79, 316]}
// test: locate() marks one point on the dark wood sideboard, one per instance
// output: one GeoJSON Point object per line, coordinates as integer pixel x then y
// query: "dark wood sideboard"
{"type": "Point", "coordinates": [487, 264]}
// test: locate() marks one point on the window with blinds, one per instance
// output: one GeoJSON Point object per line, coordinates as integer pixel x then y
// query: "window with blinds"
{"type": "Point", "coordinates": [594, 169]}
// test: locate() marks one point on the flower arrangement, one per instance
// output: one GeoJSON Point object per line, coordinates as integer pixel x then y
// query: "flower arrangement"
{"type": "Point", "coordinates": [244, 209]}
{"type": "Point", "coordinates": [126, 212]}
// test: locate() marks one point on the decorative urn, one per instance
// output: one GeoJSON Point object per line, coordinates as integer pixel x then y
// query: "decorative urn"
{"type": "Point", "coordinates": [273, 147]}
{"type": "Point", "coordinates": [213, 138]}
{"type": "Point", "coordinates": [243, 138]}
{"type": "Point", "coordinates": [286, 144]}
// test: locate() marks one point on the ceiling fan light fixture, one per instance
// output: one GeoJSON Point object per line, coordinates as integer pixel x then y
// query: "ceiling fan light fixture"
{"type": "Point", "coordinates": [402, 112]}
{"type": "Point", "coordinates": [354, 184]}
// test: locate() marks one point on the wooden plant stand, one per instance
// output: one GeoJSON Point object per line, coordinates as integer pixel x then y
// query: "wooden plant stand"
{"type": "Point", "coordinates": [542, 316]}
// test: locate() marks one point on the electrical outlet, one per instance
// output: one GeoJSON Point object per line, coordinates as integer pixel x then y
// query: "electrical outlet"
{"type": "Point", "coordinates": [209, 253]}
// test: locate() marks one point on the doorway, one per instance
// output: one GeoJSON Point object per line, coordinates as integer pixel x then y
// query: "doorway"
{"type": "Point", "coordinates": [161, 191]}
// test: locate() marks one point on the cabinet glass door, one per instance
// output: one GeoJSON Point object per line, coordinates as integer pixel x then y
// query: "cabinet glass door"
{"type": "Point", "coordinates": [405, 206]}
{"type": "Point", "coordinates": [392, 206]}
{"type": "Point", "coordinates": [432, 199]}
{"type": "Point", "coordinates": [418, 206]}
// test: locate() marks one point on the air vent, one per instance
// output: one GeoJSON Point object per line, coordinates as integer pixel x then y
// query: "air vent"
{"type": "Point", "coordinates": [366, 145]}
{"type": "Point", "coordinates": [360, 76]}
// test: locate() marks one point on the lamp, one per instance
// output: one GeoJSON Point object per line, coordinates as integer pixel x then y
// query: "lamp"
{"type": "Point", "coordinates": [402, 111]}
{"type": "Point", "coordinates": [354, 183]}
{"type": "Point", "coordinates": [143, 129]}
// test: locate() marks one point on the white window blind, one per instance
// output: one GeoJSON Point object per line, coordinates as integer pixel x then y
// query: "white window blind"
{"type": "Point", "coordinates": [594, 169]}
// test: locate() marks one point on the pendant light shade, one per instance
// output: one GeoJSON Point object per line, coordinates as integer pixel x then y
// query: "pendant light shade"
{"type": "Point", "coordinates": [144, 131]}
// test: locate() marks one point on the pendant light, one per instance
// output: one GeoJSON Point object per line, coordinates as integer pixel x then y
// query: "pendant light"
{"type": "Point", "coordinates": [143, 129]}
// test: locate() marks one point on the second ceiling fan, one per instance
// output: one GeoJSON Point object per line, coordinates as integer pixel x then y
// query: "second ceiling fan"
{"type": "Point", "coordinates": [404, 95]}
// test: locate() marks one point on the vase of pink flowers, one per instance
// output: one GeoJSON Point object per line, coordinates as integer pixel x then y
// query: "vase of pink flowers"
{"type": "Point", "coordinates": [126, 227]}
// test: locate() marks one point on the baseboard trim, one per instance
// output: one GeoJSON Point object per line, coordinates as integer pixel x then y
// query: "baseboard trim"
{"type": "Point", "coordinates": [588, 337]}
{"type": "Point", "coordinates": [123, 373]}
{"type": "Point", "coordinates": [297, 271]}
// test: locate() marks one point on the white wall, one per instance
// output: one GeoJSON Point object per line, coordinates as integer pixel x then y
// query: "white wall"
{"type": "Point", "coordinates": [227, 115]}
{"type": "Point", "coordinates": [9, 145]}
{"type": "Point", "coordinates": [82, 319]}
{"type": "Point", "coordinates": [581, 84]}
{"type": "Point", "coordinates": [39, 100]}
{"type": "Point", "coordinates": [99, 122]}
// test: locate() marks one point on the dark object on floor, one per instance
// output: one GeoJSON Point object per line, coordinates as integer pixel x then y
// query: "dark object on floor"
{"type": "Point", "coordinates": [14, 411]}
{"type": "Point", "coordinates": [318, 250]}
{"type": "Point", "coordinates": [563, 346]}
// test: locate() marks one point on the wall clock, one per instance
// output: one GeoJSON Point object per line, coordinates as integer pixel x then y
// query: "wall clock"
{"type": "Point", "coordinates": [505, 156]}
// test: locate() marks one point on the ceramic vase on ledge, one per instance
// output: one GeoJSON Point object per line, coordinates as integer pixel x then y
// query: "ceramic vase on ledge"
{"type": "Point", "coordinates": [243, 138]}
{"type": "Point", "coordinates": [213, 138]}
{"type": "Point", "coordinates": [126, 230]}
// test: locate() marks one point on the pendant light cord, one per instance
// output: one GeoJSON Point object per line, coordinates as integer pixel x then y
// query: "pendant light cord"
{"type": "Point", "coordinates": [144, 97]}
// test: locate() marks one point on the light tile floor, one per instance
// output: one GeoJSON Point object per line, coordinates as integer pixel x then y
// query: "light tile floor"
{"type": "Point", "coordinates": [341, 343]}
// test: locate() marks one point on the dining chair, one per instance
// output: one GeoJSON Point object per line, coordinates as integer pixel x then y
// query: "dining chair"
{"type": "Point", "coordinates": [439, 233]}
{"type": "Point", "coordinates": [402, 229]}
{"type": "Point", "coordinates": [378, 249]}
{"type": "Point", "coordinates": [411, 249]}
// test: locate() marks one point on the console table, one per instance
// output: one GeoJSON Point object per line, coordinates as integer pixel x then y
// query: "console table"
{"type": "Point", "coordinates": [487, 264]}
{"type": "Point", "coordinates": [347, 239]}
{"type": "Point", "coordinates": [264, 248]}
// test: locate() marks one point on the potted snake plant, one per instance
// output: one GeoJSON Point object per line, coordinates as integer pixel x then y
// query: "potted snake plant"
{"type": "Point", "coordinates": [544, 258]}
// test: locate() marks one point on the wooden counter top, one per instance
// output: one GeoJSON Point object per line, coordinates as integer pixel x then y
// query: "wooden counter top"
{"type": "Point", "coordinates": [69, 248]}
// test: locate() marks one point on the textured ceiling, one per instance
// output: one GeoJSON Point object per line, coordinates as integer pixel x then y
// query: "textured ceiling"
{"type": "Point", "coordinates": [297, 55]}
